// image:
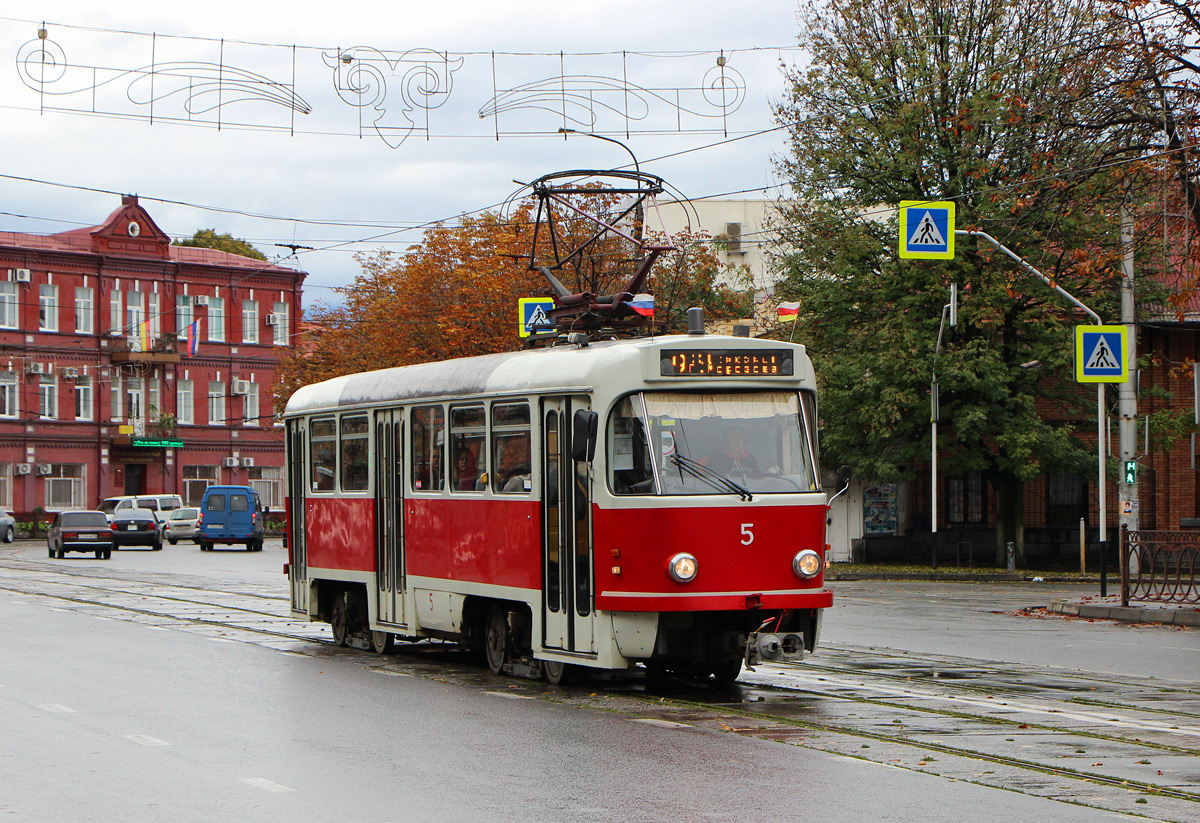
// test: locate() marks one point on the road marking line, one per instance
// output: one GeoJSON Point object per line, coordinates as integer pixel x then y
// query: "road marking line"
{"type": "Point", "coordinates": [509, 696]}
{"type": "Point", "coordinates": [145, 740]}
{"type": "Point", "coordinates": [267, 785]}
{"type": "Point", "coordinates": [54, 707]}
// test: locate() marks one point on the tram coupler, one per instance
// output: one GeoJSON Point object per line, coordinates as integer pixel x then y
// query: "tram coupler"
{"type": "Point", "coordinates": [773, 647]}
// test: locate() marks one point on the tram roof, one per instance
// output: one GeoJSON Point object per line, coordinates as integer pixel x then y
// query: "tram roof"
{"type": "Point", "coordinates": [525, 371]}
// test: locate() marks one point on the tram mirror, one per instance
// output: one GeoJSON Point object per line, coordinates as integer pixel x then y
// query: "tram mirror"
{"type": "Point", "coordinates": [843, 478]}
{"type": "Point", "coordinates": [583, 440]}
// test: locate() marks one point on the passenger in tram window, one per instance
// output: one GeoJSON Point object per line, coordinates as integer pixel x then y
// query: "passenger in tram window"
{"type": "Point", "coordinates": [514, 462]}
{"type": "Point", "coordinates": [466, 476]}
{"type": "Point", "coordinates": [733, 456]}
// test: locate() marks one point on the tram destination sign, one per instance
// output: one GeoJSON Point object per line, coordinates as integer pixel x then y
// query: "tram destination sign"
{"type": "Point", "coordinates": [725, 363]}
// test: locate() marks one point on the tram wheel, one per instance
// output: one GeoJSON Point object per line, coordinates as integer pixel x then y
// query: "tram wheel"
{"type": "Point", "coordinates": [339, 619]}
{"type": "Point", "coordinates": [495, 643]}
{"type": "Point", "coordinates": [381, 642]}
{"type": "Point", "coordinates": [727, 671]}
{"type": "Point", "coordinates": [556, 672]}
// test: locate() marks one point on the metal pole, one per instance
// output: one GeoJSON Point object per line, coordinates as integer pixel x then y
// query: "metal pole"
{"type": "Point", "coordinates": [1100, 440]}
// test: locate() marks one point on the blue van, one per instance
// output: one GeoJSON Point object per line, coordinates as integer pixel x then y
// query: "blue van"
{"type": "Point", "coordinates": [231, 514]}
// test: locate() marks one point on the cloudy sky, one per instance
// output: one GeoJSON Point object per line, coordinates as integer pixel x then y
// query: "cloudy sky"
{"type": "Point", "coordinates": [348, 129]}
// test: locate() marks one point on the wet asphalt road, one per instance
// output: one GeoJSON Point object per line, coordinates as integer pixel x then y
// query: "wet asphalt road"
{"type": "Point", "coordinates": [174, 686]}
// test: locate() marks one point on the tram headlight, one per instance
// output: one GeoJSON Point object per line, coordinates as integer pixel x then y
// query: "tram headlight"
{"type": "Point", "coordinates": [682, 568]}
{"type": "Point", "coordinates": [807, 564]}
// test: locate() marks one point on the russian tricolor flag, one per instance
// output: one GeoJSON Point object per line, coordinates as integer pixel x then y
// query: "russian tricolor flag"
{"type": "Point", "coordinates": [643, 304]}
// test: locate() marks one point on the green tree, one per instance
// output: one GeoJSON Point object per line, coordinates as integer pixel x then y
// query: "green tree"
{"type": "Point", "coordinates": [982, 103]}
{"type": "Point", "coordinates": [209, 239]}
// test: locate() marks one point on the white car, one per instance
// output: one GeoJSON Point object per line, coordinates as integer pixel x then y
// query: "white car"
{"type": "Point", "coordinates": [161, 504]}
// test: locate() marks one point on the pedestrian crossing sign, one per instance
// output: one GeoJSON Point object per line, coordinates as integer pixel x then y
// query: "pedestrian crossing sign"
{"type": "Point", "coordinates": [534, 315]}
{"type": "Point", "coordinates": [926, 230]}
{"type": "Point", "coordinates": [1100, 354]}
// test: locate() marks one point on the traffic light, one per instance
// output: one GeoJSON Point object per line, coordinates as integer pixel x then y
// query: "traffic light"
{"type": "Point", "coordinates": [1130, 471]}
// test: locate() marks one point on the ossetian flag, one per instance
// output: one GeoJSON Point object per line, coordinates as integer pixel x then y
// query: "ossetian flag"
{"type": "Point", "coordinates": [788, 312]}
{"type": "Point", "coordinates": [193, 337]}
{"type": "Point", "coordinates": [643, 304]}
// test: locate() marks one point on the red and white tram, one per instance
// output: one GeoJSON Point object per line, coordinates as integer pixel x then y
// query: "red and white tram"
{"type": "Point", "coordinates": [652, 501]}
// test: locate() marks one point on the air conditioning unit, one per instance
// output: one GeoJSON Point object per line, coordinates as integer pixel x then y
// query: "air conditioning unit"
{"type": "Point", "coordinates": [43, 468]}
{"type": "Point", "coordinates": [200, 300]}
{"type": "Point", "coordinates": [272, 319]}
{"type": "Point", "coordinates": [22, 468]}
{"type": "Point", "coordinates": [70, 372]}
{"type": "Point", "coordinates": [242, 386]}
{"type": "Point", "coordinates": [36, 368]}
{"type": "Point", "coordinates": [229, 462]}
{"type": "Point", "coordinates": [247, 461]}
{"type": "Point", "coordinates": [20, 275]}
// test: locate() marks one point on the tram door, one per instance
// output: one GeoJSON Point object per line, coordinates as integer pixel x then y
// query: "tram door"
{"type": "Point", "coordinates": [566, 533]}
{"type": "Point", "coordinates": [389, 522]}
{"type": "Point", "coordinates": [297, 459]}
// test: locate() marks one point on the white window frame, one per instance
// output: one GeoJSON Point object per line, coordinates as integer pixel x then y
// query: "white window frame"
{"type": "Point", "coordinates": [85, 317]}
{"type": "Point", "coordinates": [84, 399]}
{"type": "Point", "coordinates": [216, 319]}
{"type": "Point", "coordinates": [250, 406]}
{"type": "Point", "coordinates": [249, 321]}
{"type": "Point", "coordinates": [184, 315]}
{"type": "Point", "coordinates": [280, 336]}
{"type": "Point", "coordinates": [10, 313]}
{"type": "Point", "coordinates": [216, 403]}
{"type": "Point", "coordinates": [185, 403]}
{"type": "Point", "coordinates": [68, 480]}
{"type": "Point", "coordinates": [48, 397]}
{"type": "Point", "coordinates": [47, 307]}
{"type": "Point", "coordinates": [10, 396]}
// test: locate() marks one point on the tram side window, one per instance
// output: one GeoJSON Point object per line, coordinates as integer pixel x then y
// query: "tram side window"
{"type": "Point", "coordinates": [355, 475]}
{"type": "Point", "coordinates": [468, 463]}
{"type": "Point", "coordinates": [511, 454]}
{"type": "Point", "coordinates": [323, 463]}
{"type": "Point", "coordinates": [629, 456]}
{"type": "Point", "coordinates": [428, 445]}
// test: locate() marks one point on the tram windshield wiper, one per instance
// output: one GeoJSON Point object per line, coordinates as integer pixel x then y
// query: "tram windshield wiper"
{"type": "Point", "coordinates": [714, 478]}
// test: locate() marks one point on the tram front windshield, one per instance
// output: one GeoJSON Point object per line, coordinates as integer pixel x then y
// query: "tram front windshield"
{"type": "Point", "coordinates": [666, 443]}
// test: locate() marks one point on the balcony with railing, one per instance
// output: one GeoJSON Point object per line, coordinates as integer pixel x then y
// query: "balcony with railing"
{"type": "Point", "coordinates": [160, 433]}
{"type": "Point", "coordinates": [160, 349]}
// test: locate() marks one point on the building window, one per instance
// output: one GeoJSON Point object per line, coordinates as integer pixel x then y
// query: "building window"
{"type": "Point", "coordinates": [135, 403]}
{"type": "Point", "coordinates": [6, 486]}
{"type": "Point", "coordinates": [154, 324]}
{"type": "Point", "coordinates": [216, 319]}
{"type": "Point", "coordinates": [84, 399]}
{"type": "Point", "coordinates": [279, 314]}
{"type": "Point", "coordinates": [184, 402]}
{"type": "Point", "coordinates": [249, 321]}
{"type": "Point", "coordinates": [114, 311]}
{"type": "Point", "coordinates": [965, 501]}
{"type": "Point", "coordinates": [9, 396]}
{"type": "Point", "coordinates": [135, 315]}
{"type": "Point", "coordinates": [1066, 500]}
{"type": "Point", "coordinates": [47, 307]}
{"type": "Point", "coordinates": [268, 482]}
{"type": "Point", "coordinates": [48, 397]}
{"type": "Point", "coordinates": [250, 404]}
{"type": "Point", "coordinates": [183, 315]}
{"type": "Point", "coordinates": [195, 480]}
{"type": "Point", "coordinates": [116, 399]}
{"type": "Point", "coordinates": [216, 403]}
{"type": "Point", "coordinates": [85, 319]}
{"type": "Point", "coordinates": [65, 487]}
{"type": "Point", "coordinates": [9, 316]}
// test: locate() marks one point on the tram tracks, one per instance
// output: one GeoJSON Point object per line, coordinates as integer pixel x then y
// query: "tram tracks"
{"type": "Point", "coordinates": [1096, 740]}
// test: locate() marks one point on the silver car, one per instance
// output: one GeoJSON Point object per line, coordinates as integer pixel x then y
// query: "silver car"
{"type": "Point", "coordinates": [8, 526]}
{"type": "Point", "coordinates": [181, 525]}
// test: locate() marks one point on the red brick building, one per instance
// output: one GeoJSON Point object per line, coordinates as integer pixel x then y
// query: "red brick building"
{"type": "Point", "coordinates": [131, 366]}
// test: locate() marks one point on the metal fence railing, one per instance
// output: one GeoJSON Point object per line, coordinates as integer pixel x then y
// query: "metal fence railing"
{"type": "Point", "coordinates": [1159, 566]}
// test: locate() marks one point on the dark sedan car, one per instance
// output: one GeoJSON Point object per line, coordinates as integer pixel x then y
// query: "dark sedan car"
{"type": "Point", "coordinates": [80, 531]}
{"type": "Point", "coordinates": [135, 527]}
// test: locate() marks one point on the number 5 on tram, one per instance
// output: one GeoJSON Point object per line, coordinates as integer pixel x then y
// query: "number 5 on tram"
{"type": "Point", "coordinates": [653, 501]}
